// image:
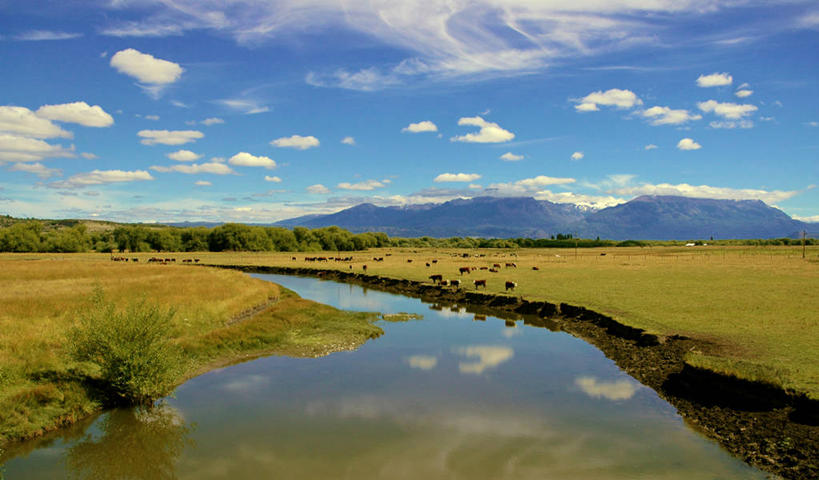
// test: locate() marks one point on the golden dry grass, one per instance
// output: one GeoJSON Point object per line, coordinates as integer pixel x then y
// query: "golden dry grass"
{"type": "Point", "coordinates": [40, 296]}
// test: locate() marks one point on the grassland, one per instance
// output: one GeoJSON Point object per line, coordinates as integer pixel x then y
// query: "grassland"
{"type": "Point", "coordinates": [754, 310]}
{"type": "Point", "coordinates": [41, 387]}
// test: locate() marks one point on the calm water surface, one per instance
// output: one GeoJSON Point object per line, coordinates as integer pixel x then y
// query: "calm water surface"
{"type": "Point", "coordinates": [448, 396]}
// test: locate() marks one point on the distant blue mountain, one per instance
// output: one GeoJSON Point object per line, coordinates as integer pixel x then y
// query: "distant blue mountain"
{"type": "Point", "coordinates": [646, 217]}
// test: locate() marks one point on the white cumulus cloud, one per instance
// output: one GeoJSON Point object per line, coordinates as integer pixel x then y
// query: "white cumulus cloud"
{"type": "Point", "coordinates": [100, 177]}
{"type": "Point", "coordinates": [667, 116]}
{"type": "Point", "coordinates": [715, 80]}
{"type": "Point", "coordinates": [489, 132]}
{"type": "Point", "coordinates": [614, 97]}
{"type": "Point", "coordinates": [244, 159]}
{"type": "Point", "coordinates": [688, 144]}
{"type": "Point", "coordinates": [202, 183]}
{"type": "Point", "coordinates": [145, 67]}
{"type": "Point", "coordinates": [577, 155]}
{"type": "Point", "coordinates": [423, 126]}
{"type": "Point", "coordinates": [184, 156]}
{"type": "Point", "coordinates": [14, 148]}
{"type": "Point", "coordinates": [543, 180]}
{"type": "Point", "coordinates": [365, 185]}
{"type": "Point", "coordinates": [36, 168]}
{"type": "Point", "coordinates": [650, 146]}
{"type": "Point", "coordinates": [77, 112]}
{"type": "Point", "coordinates": [296, 141]}
{"type": "Point", "coordinates": [744, 93]}
{"type": "Point", "coordinates": [169, 137]}
{"type": "Point", "coordinates": [273, 179]}
{"type": "Point", "coordinates": [728, 110]}
{"type": "Point", "coordinates": [511, 157]}
{"type": "Point", "coordinates": [22, 121]}
{"type": "Point", "coordinates": [348, 141]}
{"type": "Point", "coordinates": [456, 177]}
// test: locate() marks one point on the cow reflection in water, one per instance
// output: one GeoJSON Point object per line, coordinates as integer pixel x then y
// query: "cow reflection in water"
{"type": "Point", "coordinates": [132, 443]}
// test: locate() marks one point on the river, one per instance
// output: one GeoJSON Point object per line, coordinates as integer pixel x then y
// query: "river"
{"type": "Point", "coordinates": [449, 396]}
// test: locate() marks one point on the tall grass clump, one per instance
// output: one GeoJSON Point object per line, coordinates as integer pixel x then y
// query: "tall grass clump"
{"type": "Point", "coordinates": [132, 347]}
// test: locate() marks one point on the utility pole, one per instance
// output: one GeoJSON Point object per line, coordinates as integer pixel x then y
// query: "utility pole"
{"type": "Point", "coordinates": [804, 234]}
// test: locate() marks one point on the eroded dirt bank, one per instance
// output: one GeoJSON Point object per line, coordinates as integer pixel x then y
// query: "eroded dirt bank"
{"type": "Point", "coordinates": [774, 430]}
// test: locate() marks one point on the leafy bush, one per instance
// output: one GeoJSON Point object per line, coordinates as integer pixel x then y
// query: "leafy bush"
{"type": "Point", "coordinates": [132, 347]}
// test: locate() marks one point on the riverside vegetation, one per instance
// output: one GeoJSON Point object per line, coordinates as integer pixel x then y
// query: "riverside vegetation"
{"type": "Point", "coordinates": [66, 351]}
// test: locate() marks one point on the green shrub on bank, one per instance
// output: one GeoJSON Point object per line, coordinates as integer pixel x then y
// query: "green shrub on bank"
{"type": "Point", "coordinates": [137, 361]}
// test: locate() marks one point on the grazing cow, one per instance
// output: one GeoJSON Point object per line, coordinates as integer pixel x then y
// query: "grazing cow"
{"type": "Point", "coordinates": [455, 283]}
{"type": "Point", "coordinates": [496, 265]}
{"type": "Point", "coordinates": [436, 278]}
{"type": "Point", "coordinates": [409, 260]}
{"type": "Point", "coordinates": [480, 283]}
{"type": "Point", "coordinates": [493, 270]}
{"type": "Point", "coordinates": [508, 264]}
{"type": "Point", "coordinates": [602, 254]}
{"type": "Point", "coordinates": [435, 260]}
{"type": "Point", "coordinates": [427, 264]}
{"type": "Point", "coordinates": [365, 268]}
{"type": "Point", "coordinates": [134, 259]}
{"type": "Point", "coordinates": [351, 267]}
{"type": "Point", "coordinates": [464, 270]}
{"type": "Point", "coordinates": [196, 260]}
{"type": "Point", "coordinates": [444, 283]}
{"type": "Point", "coordinates": [484, 268]}
{"type": "Point", "coordinates": [535, 268]}
{"type": "Point", "coordinates": [511, 286]}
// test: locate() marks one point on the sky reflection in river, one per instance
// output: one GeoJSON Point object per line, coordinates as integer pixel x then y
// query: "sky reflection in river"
{"type": "Point", "coordinates": [444, 397]}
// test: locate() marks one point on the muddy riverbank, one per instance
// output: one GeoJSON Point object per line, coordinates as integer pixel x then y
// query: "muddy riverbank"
{"type": "Point", "coordinates": [769, 428]}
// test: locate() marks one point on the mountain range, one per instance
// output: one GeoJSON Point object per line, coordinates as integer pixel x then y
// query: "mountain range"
{"type": "Point", "coordinates": [645, 218]}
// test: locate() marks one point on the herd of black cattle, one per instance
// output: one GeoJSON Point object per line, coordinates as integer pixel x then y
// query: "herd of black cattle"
{"type": "Point", "coordinates": [161, 261]}
{"type": "Point", "coordinates": [437, 279]}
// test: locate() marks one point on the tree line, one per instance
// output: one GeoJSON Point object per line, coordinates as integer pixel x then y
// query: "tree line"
{"type": "Point", "coordinates": [68, 236]}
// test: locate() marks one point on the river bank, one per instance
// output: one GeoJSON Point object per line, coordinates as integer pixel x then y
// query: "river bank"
{"type": "Point", "coordinates": [221, 318]}
{"type": "Point", "coordinates": [766, 426]}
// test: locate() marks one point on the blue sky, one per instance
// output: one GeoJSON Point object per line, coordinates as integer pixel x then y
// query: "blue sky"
{"type": "Point", "coordinates": [173, 110]}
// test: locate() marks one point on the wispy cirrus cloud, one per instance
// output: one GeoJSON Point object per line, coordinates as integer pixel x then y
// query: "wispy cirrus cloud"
{"type": "Point", "coordinates": [45, 35]}
{"type": "Point", "coordinates": [442, 39]}
{"type": "Point", "coordinates": [101, 177]}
